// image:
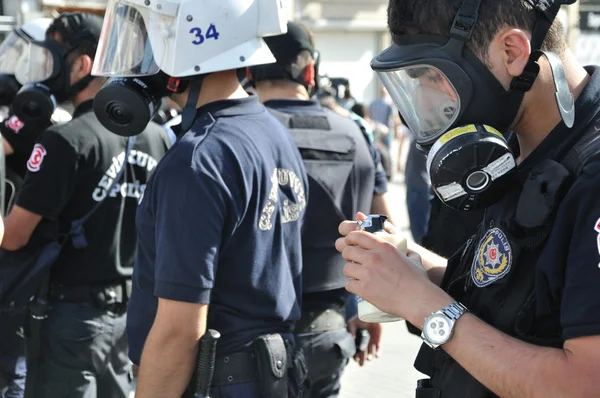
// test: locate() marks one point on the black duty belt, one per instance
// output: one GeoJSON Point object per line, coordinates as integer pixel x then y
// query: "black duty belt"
{"type": "Point", "coordinates": [320, 321]}
{"type": "Point", "coordinates": [235, 368]}
{"type": "Point", "coordinates": [104, 296]}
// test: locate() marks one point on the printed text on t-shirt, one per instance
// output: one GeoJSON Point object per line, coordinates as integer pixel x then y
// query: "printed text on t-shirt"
{"type": "Point", "coordinates": [131, 189]}
{"type": "Point", "coordinates": [290, 211]}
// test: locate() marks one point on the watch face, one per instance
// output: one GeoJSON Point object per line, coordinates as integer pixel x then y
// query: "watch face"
{"type": "Point", "coordinates": [437, 330]}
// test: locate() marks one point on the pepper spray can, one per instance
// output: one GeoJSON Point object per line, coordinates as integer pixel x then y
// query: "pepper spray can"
{"type": "Point", "coordinates": [367, 312]}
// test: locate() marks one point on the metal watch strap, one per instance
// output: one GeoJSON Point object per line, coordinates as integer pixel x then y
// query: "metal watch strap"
{"type": "Point", "coordinates": [454, 310]}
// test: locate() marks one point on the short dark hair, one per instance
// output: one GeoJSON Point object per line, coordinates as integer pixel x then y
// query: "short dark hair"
{"type": "Point", "coordinates": [408, 17]}
{"type": "Point", "coordinates": [87, 44]}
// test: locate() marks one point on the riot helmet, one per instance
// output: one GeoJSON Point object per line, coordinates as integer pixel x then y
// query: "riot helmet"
{"type": "Point", "coordinates": [153, 49]}
{"type": "Point", "coordinates": [12, 50]}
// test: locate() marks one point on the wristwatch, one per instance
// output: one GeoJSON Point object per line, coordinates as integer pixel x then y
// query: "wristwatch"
{"type": "Point", "coordinates": [438, 327]}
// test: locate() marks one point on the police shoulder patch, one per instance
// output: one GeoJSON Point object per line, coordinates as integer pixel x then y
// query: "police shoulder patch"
{"type": "Point", "coordinates": [37, 157]}
{"type": "Point", "coordinates": [493, 258]}
{"type": "Point", "coordinates": [15, 124]}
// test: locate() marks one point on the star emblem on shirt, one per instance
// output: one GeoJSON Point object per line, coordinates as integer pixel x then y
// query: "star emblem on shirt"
{"type": "Point", "coordinates": [492, 255]}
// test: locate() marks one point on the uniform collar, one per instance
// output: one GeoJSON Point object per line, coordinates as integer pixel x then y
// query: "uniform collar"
{"type": "Point", "coordinates": [232, 107]}
{"type": "Point", "coordinates": [587, 104]}
{"type": "Point", "coordinates": [84, 107]}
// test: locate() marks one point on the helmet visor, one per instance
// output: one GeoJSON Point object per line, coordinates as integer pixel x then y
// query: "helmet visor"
{"type": "Point", "coordinates": [36, 65]}
{"type": "Point", "coordinates": [11, 51]}
{"type": "Point", "coordinates": [124, 48]}
{"type": "Point", "coordinates": [426, 99]}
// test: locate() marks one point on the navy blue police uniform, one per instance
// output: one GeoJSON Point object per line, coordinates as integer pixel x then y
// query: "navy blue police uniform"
{"type": "Point", "coordinates": [220, 224]}
{"type": "Point", "coordinates": [343, 180]}
{"type": "Point", "coordinates": [70, 170]}
{"type": "Point", "coordinates": [533, 268]}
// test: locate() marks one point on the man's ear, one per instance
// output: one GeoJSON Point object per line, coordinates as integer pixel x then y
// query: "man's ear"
{"type": "Point", "coordinates": [249, 74]}
{"type": "Point", "coordinates": [309, 75]}
{"type": "Point", "coordinates": [515, 50]}
{"type": "Point", "coordinates": [82, 66]}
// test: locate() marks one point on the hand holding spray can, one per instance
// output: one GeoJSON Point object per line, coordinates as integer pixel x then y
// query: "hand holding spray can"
{"type": "Point", "coordinates": [367, 312]}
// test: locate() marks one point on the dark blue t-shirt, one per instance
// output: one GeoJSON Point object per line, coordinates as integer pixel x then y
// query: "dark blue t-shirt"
{"type": "Point", "coordinates": [568, 269]}
{"type": "Point", "coordinates": [220, 224]}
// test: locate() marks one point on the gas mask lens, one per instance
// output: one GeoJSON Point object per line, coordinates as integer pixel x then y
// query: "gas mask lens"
{"type": "Point", "coordinates": [36, 65]}
{"type": "Point", "coordinates": [426, 99]}
{"type": "Point", "coordinates": [124, 48]}
{"type": "Point", "coordinates": [11, 51]}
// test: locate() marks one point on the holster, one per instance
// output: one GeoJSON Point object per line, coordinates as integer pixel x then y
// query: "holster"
{"type": "Point", "coordinates": [282, 371]}
{"type": "Point", "coordinates": [272, 361]}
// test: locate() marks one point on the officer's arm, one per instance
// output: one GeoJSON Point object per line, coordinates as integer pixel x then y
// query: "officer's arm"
{"type": "Point", "coordinates": [19, 226]}
{"type": "Point", "coordinates": [171, 348]}
{"type": "Point", "coordinates": [1, 229]}
{"type": "Point", "coordinates": [512, 368]}
{"type": "Point", "coordinates": [8, 149]}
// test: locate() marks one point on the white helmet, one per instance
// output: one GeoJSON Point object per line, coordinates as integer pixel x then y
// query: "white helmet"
{"type": "Point", "coordinates": [186, 37]}
{"type": "Point", "coordinates": [17, 43]}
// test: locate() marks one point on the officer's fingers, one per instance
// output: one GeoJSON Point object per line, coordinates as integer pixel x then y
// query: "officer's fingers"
{"type": "Point", "coordinates": [375, 349]}
{"type": "Point", "coordinates": [352, 285]}
{"type": "Point", "coordinates": [363, 239]}
{"type": "Point", "coordinates": [357, 254]}
{"type": "Point", "coordinates": [360, 358]}
{"type": "Point", "coordinates": [355, 272]}
{"type": "Point", "coordinates": [361, 216]}
{"type": "Point", "coordinates": [348, 226]}
{"type": "Point", "coordinates": [391, 228]}
{"type": "Point", "coordinates": [340, 244]}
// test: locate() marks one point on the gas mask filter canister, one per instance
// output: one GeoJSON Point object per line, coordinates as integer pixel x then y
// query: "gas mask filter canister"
{"type": "Point", "coordinates": [468, 166]}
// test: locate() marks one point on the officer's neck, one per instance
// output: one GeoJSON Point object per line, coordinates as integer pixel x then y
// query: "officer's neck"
{"type": "Point", "coordinates": [272, 90]}
{"type": "Point", "coordinates": [215, 87]}
{"type": "Point", "coordinates": [88, 93]}
{"type": "Point", "coordinates": [540, 113]}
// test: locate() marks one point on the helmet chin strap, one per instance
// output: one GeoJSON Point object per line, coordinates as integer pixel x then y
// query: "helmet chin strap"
{"type": "Point", "coordinates": [188, 116]}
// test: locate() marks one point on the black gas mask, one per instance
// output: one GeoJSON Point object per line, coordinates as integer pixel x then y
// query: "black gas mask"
{"type": "Point", "coordinates": [47, 81]}
{"type": "Point", "coordinates": [125, 105]}
{"type": "Point", "coordinates": [457, 109]}
{"type": "Point", "coordinates": [46, 70]}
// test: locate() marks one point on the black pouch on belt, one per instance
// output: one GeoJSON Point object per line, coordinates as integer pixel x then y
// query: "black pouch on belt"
{"type": "Point", "coordinates": [299, 383]}
{"type": "Point", "coordinates": [272, 361]}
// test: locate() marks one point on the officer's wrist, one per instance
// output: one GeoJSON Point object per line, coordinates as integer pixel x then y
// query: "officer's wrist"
{"type": "Point", "coordinates": [435, 300]}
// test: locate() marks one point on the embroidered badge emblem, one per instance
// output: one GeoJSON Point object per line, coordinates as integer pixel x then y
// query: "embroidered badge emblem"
{"type": "Point", "coordinates": [37, 157]}
{"type": "Point", "coordinates": [493, 258]}
{"type": "Point", "coordinates": [15, 124]}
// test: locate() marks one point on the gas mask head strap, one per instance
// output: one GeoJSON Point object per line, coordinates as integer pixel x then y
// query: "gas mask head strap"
{"type": "Point", "coordinates": [547, 10]}
{"type": "Point", "coordinates": [465, 20]}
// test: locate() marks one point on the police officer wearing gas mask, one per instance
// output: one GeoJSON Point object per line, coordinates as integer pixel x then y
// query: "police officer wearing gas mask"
{"type": "Point", "coordinates": [79, 169]}
{"type": "Point", "coordinates": [18, 140]}
{"type": "Point", "coordinates": [20, 130]}
{"type": "Point", "coordinates": [516, 312]}
{"type": "Point", "coordinates": [343, 181]}
{"type": "Point", "coordinates": [219, 225]}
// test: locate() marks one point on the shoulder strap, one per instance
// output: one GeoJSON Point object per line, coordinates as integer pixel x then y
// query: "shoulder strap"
{"type": "Point", "coordinates": [77, 233]}
{"type": "Point", "coordinates": [586, 148]}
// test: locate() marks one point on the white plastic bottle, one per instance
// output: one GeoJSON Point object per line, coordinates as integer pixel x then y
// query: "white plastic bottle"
{"type": "Point", "coordinates": [367, 312]}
